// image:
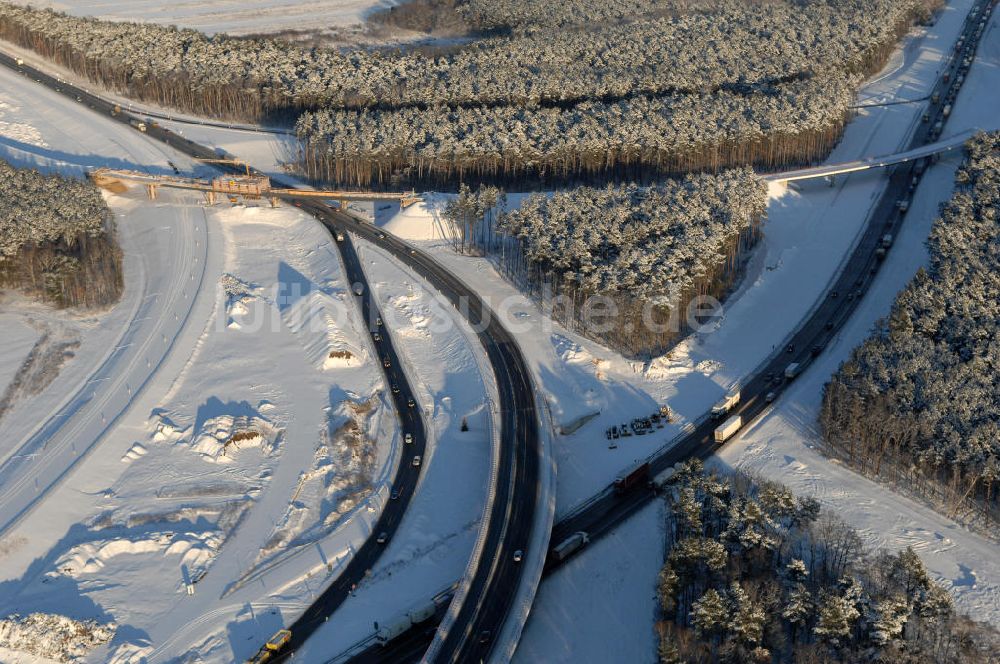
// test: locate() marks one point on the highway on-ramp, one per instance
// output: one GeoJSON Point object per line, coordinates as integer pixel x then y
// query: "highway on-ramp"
{"type": "Point", "coordinates": [510, 515]}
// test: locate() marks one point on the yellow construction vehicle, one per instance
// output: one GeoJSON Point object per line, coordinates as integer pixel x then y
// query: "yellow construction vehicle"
{"type": "Point", "coordinates": [273, 645]}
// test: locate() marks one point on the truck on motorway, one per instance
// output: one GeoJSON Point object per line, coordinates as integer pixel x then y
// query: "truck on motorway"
{"type": "Point", "coordinates": [636, 473]}
{"type": "Point", "coordinates": [421, 613]}
{"type": "Point", "coordinates": [726, 430]}
{"type": "Point", "coordinates": [569, 545]}
{"type": "Point", "coordinates": [792, 370]}
{"type": "Point", "coordinates": [726, 404]}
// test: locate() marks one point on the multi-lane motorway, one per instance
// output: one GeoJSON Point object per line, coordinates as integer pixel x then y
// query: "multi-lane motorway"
{"type": "Point", "coordinates": [510, 514]}
{"type": "Point", "coordinates": [510, 517]}
{"type": "Point", "coordinates": [609, 508]}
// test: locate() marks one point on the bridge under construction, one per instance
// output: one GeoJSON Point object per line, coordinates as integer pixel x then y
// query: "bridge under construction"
{"type": "Point", "coordinates": [236, 187]}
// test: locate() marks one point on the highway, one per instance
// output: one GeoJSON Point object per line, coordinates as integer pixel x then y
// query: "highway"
{"type": "Point", "coordinates": [510, 516]}
{"type": "Point", "coordinates": [600, 514]}
{"type": "Point", "coordinates": [509, 521]}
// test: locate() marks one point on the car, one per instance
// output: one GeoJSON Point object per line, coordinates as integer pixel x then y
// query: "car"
{"type": "Point", "coordinates": [816, 350]}
{"type": "Point", "coordinates": [394, 494]}
{"type": "Point", "coordinates": [395, 389]}
{"type": "Point", "coordinates": [416, 461]}
{"type": "Point", "coordinates": [485, 636]}
{"type": "Point", "coordinates": [386, 363]}
{"type": "Point", "coordinates": [790, 349]}
{"type": "Point", "coordinates": [518, 556]}
{"type": "Point", "coordinates": [382, 538]}
{"type": "Point", "coordinates": [829, 325]}
{"type": "Point", "coordinates": [381, 236]}
{"type": "Point", "coordinates": [771, 396]}
{"type": "Point", "coordinates": [850, 296]}
{"type": "Point", "coordinates": [615, 434]}
{"type": "Point", "coordinates": [377, 337]}
{"type": "Point", "coordinates": [378, 321]}
{"type": "Point", "coordinates": [834, 294]}
{"type": "Point", "coordinates": [408, 438]}
{"type": "Point", "coordinates": [410, 403]}
{"type": "Point", "coordinates": [359, 289]}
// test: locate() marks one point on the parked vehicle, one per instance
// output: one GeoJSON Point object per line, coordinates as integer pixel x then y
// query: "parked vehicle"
{"type": "Point", "coordinates": [562, 550]}
{"type": "Point", "coordinates": [725, 431]}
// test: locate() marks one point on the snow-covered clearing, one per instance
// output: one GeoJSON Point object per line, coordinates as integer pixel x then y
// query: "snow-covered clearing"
{"type": "Point", "coordinates": [237, 18]}
{"type": "Point", "coordinates": [452, 382]}
{"type": "Point", "coordinates": [600, 606]}
{"type": "Point", "coordinates": [215, 401]}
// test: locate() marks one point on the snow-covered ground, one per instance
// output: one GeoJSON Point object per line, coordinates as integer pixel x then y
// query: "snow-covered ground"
{"type": "Point", "coordinates": [808, 232]}
{"type": "Point", "coordinates": [453, 382]}
{"type": "Point", "coordinates": [600, 606]}
{"type": "Point", "coordinates": [237, 18]}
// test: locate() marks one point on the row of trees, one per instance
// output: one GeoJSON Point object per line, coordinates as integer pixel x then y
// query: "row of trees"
{"type": "Point", "coordinates": [917, 403]}
{"type": "Point", "coordinates": [621, 264]}
{"type": "Point", "coordinates": [754, 574]}
{"type": "Point", "coordinates": [57, 239]}
{"type": "Point", "coordinates": [733, 44]}
{"type": "Point", "coordinates": [634, 139]}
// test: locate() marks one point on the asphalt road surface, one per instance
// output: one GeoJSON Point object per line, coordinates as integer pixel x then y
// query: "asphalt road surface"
{"type": "Point", "coordinates": [511, 515]}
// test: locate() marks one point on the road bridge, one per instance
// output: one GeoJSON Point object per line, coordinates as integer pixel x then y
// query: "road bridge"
{"type": "Point", "coordinates": [830, 170]}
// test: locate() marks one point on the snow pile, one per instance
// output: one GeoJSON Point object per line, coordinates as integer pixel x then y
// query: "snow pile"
{"type": "Point", "coordinates": [340, 479]}
{"type": "Point", "coordinates": [56, 637]}
{"type": "Point", "coordinates": [239, 295]}
{"type": "Point", "coordinates": [220, 438]}
{"type": "Point", "coordinates": [196, 550]}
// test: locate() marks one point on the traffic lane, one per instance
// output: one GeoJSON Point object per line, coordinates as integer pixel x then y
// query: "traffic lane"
{"type": "Point", "coordinates": [500, 357]}
{"type": "Point", "coordinates": [494, 613]}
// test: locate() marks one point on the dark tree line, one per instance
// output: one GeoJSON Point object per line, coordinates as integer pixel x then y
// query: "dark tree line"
{"type": "Point", "coordinates": [57, 239]}
{"type": "Point", "coordinates": [620, 264]}
{"type": "Point", "coordinates": [754, 574]}
{"type": "Point", "coordinates": [916, 405]}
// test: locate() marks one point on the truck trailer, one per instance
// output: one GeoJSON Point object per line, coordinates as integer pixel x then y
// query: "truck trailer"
{"type": "Point", "coordinates": [726, 430]}
{"type": "Point", "coordinates": [562, 550]}
{"type": "Point", "coordinates": [634, 475]}
{"type": "Point", "coordinates": [726, 405]}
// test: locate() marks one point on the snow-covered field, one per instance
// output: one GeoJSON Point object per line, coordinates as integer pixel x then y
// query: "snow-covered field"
{"type": "Point", "coordinates": [237, 18]}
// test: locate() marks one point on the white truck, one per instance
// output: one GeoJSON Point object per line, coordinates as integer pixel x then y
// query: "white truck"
{"type": "Point", "coordinates": [569, 545]}
{"type": "Point", "coordinates": [386, 632]}
{"type": "Point", "coordinates": [726, 405]}
{"type": "Point", "coordinates": [792, 370]}
{"type": "Point", "coordinates": [726, 430]}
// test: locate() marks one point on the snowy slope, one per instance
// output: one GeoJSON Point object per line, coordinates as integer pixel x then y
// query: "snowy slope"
{"type": "Point", "coordinates": [250, 16]}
